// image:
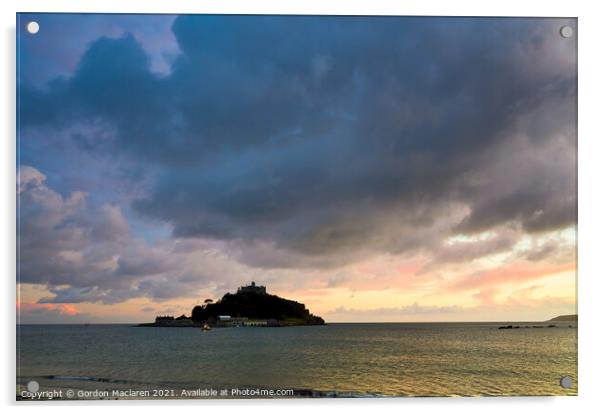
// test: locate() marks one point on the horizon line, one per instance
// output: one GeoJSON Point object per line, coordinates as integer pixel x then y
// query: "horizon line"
{"type": "Point", "coordinates": [333, 322]}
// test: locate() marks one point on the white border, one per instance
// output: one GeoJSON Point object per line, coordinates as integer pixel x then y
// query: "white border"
{"type": "Point", "coordinates": [551, 8]}
{"type": "Point", "coordinates": [590, 206]}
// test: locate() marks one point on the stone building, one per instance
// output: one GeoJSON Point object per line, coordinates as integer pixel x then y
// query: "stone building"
{"type": "Point", "coordinates": [252, 288]}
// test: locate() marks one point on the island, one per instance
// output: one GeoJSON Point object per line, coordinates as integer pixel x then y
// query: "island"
{"type": "Point", "coordinates": [250, 306]}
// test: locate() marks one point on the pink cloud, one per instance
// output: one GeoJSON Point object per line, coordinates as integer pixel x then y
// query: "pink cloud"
{"type": "Point", "coordinates": [60, 308]}
{"type": "Point", "coordinates": [515, 272]}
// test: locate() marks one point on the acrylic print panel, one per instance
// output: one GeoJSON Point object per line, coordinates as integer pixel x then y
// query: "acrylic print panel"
{"type": "Point", "coordinates": [214, 206]}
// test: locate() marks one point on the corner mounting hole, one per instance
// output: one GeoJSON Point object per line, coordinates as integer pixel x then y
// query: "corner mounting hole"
{"type": "Point", "coordinates": [566, 382]}
{"type": "Point", "coordinates": [566, 31]}
{"type": "Point", "coordinates": [33, 27]}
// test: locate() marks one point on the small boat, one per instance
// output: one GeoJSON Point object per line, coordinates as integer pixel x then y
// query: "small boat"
{"type": "Point", "coordinates": [206, 327]}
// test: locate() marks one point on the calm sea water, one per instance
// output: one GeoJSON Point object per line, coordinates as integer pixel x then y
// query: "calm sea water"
{"type": "Point", "coordinates": [332, 360]}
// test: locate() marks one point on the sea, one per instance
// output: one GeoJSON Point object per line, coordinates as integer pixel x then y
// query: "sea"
{"type": "Point", "coordinates": [334, 360]}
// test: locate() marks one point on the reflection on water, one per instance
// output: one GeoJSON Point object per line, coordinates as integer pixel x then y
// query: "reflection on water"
{"type": "Point", "coordinates": [387, 359]}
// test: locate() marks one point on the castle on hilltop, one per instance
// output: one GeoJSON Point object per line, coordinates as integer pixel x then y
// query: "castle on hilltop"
{"type": "Point", "coordinates": [252, 288]}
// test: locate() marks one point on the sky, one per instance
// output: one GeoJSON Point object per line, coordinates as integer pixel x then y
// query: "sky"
{"type": "Point", "coordinates": [374, 168]}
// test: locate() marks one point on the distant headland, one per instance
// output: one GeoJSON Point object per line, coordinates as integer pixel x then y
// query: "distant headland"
{"type": "Point", "coordinates": [561, 318]}
{"type": "Point", "coordinates": [564, 318]}
{"type": "Point", "coordinates": [250, 306]}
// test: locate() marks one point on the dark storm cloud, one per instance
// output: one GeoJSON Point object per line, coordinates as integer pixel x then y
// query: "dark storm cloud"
{"type": "Point", "coordinates": [335, 137]}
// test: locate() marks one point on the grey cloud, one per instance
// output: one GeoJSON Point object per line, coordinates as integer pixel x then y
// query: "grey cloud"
{"type": "Point", "coordinates": [331, 138]}
{"type": "Point", "coordinates": [85, 253]}
{"type": "Point", "coordinates": [72, 294]}
{"type": "Point", "coordinates": [542, 252]}
{"type": "Point", "coordinates": [503, 240]}
{"type": "Point", "coordinates": [554, 250]}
